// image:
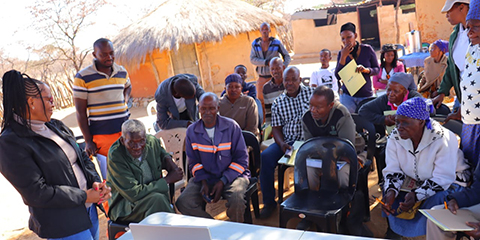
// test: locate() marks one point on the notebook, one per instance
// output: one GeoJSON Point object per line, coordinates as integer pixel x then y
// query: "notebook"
{"type": "Point", "coordinates": [448, 221]}
{"type": "Point", "coordinates": [178, 232]}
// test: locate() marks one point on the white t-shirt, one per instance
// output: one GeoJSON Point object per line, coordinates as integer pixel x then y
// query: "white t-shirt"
{"type": "Point", "coordinates": [460, 49]}
{"type": "Point", "coordinates": [210, 133]}
{"type": "Point", "coordinates": [325, 76]}
{"type": "Point", "coordinates": [180, 103]}
{"type": "Point", "coordinates": [470, 86]}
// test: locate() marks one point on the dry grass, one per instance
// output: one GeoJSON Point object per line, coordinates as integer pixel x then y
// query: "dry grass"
{"type": "Point", "coordinates": [185, 22]}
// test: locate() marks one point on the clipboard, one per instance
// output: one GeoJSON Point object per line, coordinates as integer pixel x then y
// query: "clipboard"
{"type": "Point", "coordinates": [353, 80]}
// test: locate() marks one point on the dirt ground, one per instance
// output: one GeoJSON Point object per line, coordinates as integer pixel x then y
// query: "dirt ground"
{"type": "Point", "coordinates": [14, 217]}
{"type": "Point", "coordinates": [377, 224]}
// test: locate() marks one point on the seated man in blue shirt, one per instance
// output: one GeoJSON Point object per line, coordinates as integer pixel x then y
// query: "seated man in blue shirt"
{"type": "Point", "coordinates": [218, 159]}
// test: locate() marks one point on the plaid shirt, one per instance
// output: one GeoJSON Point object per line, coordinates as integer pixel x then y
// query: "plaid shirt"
{"type": "Point", "coordinates": [288, 111]}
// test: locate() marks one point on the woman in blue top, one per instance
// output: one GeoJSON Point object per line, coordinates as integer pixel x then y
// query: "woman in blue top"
{"type": "Point", "coordinates": [367, 64]}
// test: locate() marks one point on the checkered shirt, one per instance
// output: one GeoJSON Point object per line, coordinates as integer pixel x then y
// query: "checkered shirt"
{"type": "Point", "coordinates": [288, 111]}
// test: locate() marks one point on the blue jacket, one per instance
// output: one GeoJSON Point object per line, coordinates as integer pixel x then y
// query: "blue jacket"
{"type": "Point", "coordinates": [468, 196]}
{"type": "Point", "coordinates": [275, 49]}
{"type": "Point", "coordinates": [226, 157]}
{"type": "Point", "coordinates": [167, 112]}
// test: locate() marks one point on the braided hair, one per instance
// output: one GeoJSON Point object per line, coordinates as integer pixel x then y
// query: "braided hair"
{"type": "Point", "coordinates": [17, 87]}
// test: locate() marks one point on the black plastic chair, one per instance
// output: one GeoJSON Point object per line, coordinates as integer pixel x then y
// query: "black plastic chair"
{"type": "Point", "coordinates": [367, 130]}
{"type": "Point", "coordinates": [322, 207]}
{"type": "Point", "coordinates": [254, 166]}
{"type": "Point", "coordinates": [361, 103]}
{"type": "Point", "coordinates": [115, 228]}
{"type": "Point", "coordinates": [453, 125]}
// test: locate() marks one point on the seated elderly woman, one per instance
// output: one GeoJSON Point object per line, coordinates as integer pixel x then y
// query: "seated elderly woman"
{"type": "Point", "coordinates": [424, 154]}
{"type": "Point", "coordinates": [435, 66]}
{"type": "Point", "coordinates": [400, 87]}
{"type": "Point", "coordinates": [237, 106]}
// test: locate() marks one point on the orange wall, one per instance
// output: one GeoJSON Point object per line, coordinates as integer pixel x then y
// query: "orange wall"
{"type": "Point", "coordinates": [216, 61]}
{"type": "Point", "coordinates": [220, 59]}
{"type": "Point", "coordinates": [386, 24]}
{"type": "Point", "coordinates": [144, 82]}
{"type": "Point", "coordinates": [432, 24]}
{"type": "Point", "coordinates": [309, 39]}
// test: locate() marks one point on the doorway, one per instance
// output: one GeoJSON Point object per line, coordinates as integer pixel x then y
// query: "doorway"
{"type": "Point", "coordinates": [369, 26]}
{"type": "Point", "coordinates": [184, 60]}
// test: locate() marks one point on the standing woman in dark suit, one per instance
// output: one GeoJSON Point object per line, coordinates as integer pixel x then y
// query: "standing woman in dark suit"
{"type": "Point", "coordinates": [367, 65]}
{"type": "Point", "coordinates": [41, 159]}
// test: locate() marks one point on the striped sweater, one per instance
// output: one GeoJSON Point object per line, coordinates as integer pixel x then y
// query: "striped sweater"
{"type": "Point", "coordinates": [106, 108]}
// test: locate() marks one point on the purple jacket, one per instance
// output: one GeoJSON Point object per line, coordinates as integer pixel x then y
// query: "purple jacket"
{"type": "Point", "coordinates": [368, 59]}
{"type": "Point", "coordinates": [226, 157]}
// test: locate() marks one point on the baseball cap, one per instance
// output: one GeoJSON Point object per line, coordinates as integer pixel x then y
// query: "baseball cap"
{"type": "Point", "coordinates": [449, 4]}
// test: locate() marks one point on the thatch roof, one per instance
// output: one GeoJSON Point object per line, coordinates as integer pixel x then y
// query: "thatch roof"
{"type": "Point", "coordinates": [177, 22]}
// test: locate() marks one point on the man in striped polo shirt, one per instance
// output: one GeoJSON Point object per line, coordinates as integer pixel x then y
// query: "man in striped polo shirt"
{"type": "Point", "coordinates": [100, 93]}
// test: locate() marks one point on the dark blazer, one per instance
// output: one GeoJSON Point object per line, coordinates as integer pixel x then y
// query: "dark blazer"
{"type": "Point", "coordinates": [41, 172]}
{"type": "Point", "coordinates": [167, 112]}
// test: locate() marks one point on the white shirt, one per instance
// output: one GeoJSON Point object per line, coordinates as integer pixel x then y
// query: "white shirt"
{"type": "Point", "coordinates": [460, 48]}
{"type": "Point", "coordinates": [210, 132]}
{"type": "Point", "coordinates": [325, 76]}
{"type": "Point", "coordinates": [470, 86]}
{"type": "Point", "coordinates": [384, 73]}
{"type": "Point", "coordinates": [180, 103]}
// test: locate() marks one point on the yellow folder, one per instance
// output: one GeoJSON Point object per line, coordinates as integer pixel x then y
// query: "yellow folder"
{"type": "Point", "coordinates": [353, 80]}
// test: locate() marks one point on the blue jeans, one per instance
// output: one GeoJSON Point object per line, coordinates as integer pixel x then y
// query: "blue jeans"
{"type": "Point", "coordinates": [270, 157]}
{"type": "Point", "coordinates": [90, 234]}
{"type": "Point", "coordinates": [350, 102]}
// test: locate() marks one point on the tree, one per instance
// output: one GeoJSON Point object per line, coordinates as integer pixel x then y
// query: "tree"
{"type": "Point", "coordinates": [61, 22]}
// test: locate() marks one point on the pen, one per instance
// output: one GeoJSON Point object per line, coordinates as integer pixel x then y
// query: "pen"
{"type": "Point", "coordinates": [378, 200]}
{"type": "Point", "coordinates": [444, 202]}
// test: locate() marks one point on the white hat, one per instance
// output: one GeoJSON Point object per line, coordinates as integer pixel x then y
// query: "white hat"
{"type": "Point", "coordinates": [449, 4]}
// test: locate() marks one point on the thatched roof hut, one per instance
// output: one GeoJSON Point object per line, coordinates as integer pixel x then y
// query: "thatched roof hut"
{"type": "Point", "coordinates": [202, 37]}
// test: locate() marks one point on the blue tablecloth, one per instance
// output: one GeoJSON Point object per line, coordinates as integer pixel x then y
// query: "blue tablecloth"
{"type": "Point", "coordinates": [414, 59]}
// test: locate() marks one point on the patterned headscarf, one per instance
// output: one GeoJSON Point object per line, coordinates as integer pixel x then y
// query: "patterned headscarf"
{"type": "Point", "coordinates": [474, 10]}
{"type": "Point", "coordinates": [417, 108]}
{"type": "Point", "coordinates": [442, 45]}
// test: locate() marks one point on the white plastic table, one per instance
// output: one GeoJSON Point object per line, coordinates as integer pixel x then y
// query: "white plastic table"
{"type": "Point", "coordinates": [223, 230]}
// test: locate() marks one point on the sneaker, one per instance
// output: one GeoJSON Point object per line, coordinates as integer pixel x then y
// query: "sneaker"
{"type": "Point", "coordinates": [267, 210]}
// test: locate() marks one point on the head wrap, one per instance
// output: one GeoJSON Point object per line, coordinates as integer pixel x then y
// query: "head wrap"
{"type": "Point", "coordinates": [442, 45]}
{"type": "Point", "coordinates": [233, 78]}
{"type": "Point", "coordinates": [348, 27]}
{"type": "Point", "coordinates": [474, 10]}
{"type": "Point", "coordinates": [404, 79]}
{"type": "Point", "coordinates": [417, 108]}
